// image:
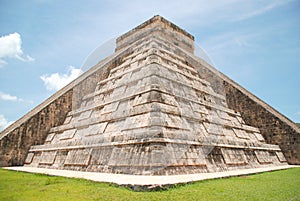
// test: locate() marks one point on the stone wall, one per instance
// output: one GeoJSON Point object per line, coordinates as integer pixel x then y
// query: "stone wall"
{"type": "Point", "coordinates": [275, 128]}
{"type": "Point", "coordinates": [272, 127]}
{"type": "Point", "coordinates": [33, 128]}
{"type": "Point", "coordinates": [15, 145]}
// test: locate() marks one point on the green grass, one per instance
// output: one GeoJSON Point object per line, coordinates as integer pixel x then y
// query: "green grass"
{"type": "Point", "coordinates": [278, 185]}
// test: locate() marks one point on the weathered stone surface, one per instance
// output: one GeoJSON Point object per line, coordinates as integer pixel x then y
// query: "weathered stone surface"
{"type": "Point", "coordinates": [152, 108]}
{"type": "Point", "coordinates": [15, 143]}
{"type": "Point", "coordinates": [275, 128]}
{"type": "Point", "coordinates": [33, 128]}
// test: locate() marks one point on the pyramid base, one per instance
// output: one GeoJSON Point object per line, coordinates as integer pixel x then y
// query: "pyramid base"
{"type": "Point", "coordinates": [157, 158]}
{"type": "Point", "coordinates": [147, 183]}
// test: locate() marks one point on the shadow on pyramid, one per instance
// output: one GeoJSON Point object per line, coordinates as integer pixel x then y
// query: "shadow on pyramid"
{"type": "Point", "coordinates": [151, 108]}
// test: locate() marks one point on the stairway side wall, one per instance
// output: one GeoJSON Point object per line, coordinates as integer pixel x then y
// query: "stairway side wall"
{"type": "Point", "coordinates": [15, 145]}
{"type": "Point", "coordinates": [274, 130]}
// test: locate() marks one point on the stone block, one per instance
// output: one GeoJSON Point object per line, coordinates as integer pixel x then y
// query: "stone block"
{"type": "Point", "coordinates": [68, 134]}
{"type": "Point", "coordinates": [280, 156]}
{"type": "Point", "coordinates": [263, 156]}
{"type": "Point", "coordinates": [78, 157]}
{"type": "Point", "coordinates": [234, 156]}
{"type": "Point", "coordinates": [47, 157]}
{"type": "Point", "coordinates": [29, 158]}
{"type": "Point", "coordinates": [214, 129]}
{"type": "Point", "coordinates": [50, 137]}
{"type": "Point", "coordinates": [241, 133]}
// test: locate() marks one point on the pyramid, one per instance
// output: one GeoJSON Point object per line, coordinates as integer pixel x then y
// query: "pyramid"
{"type": "Point", "coordinates": [154, 111]}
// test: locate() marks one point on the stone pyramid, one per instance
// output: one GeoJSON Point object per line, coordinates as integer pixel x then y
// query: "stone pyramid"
{"type": "Point", "coordinates": [153, 112]}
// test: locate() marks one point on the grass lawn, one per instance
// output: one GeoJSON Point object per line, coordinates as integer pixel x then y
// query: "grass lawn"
{"type": "Point", "coordinates": [278, 185]}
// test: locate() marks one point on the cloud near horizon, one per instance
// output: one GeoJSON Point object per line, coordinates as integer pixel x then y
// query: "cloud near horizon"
{"type": "Point", "coordinates": [4, 123]}
{"type": "Point", "coordinates": [56, 81]}
{"type": "Point", "coordinates": [11, 47]}
{"type": "Point", "coordinates": [8, 97]}
{"type": "Point", "coordinates": [262, 10]}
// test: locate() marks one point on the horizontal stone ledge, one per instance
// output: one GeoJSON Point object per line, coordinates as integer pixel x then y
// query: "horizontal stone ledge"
{"type": "Point", "coordinates": [237, 163]}
{"type": "Point", "coordinates": [155, 165]}
{"type": "Point", "coordinates": [146, 54]}
{"type": "Point", "coordinates": [149, 89]}
{"type": "Point", "coordinates": [38, 148]}
{"type": "Point", "coordinates": [249, 128]}
{"type": "Point", "coordinates": [76, 164]}
{"type": "Point", "coordinates": [45, 163]}
{"type": "Point", "coordinates": [151, 75]}
{"type": "Point", "coordinates": [95, 120]}
{"type": "Point", "coordinates": [149, 65]}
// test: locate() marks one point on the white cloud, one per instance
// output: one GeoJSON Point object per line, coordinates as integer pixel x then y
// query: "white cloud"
{"type": "Point", "coordinates": [11, 47]}
{"type": "Point", "coordinates": [57, 81]}
{"type": "Point", "coordinates": [298, 113]}
{"type": "Point", "coordinates": [2, 63]}
{"type": "Point", "coordinates": [4, 123]}
{"type": "Point", "coordinates": [191, 12]}
{"type": "Point", "coordinates": [8, 97]}
{"type": "Point", "coordinates": [262, 10]}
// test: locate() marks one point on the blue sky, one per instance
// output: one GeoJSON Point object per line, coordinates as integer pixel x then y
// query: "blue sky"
{"type": "Point", "coordinates": [44, 43]}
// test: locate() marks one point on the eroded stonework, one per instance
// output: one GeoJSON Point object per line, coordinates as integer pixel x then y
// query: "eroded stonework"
{"type": "Point", "coordinates": [153, 113]}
